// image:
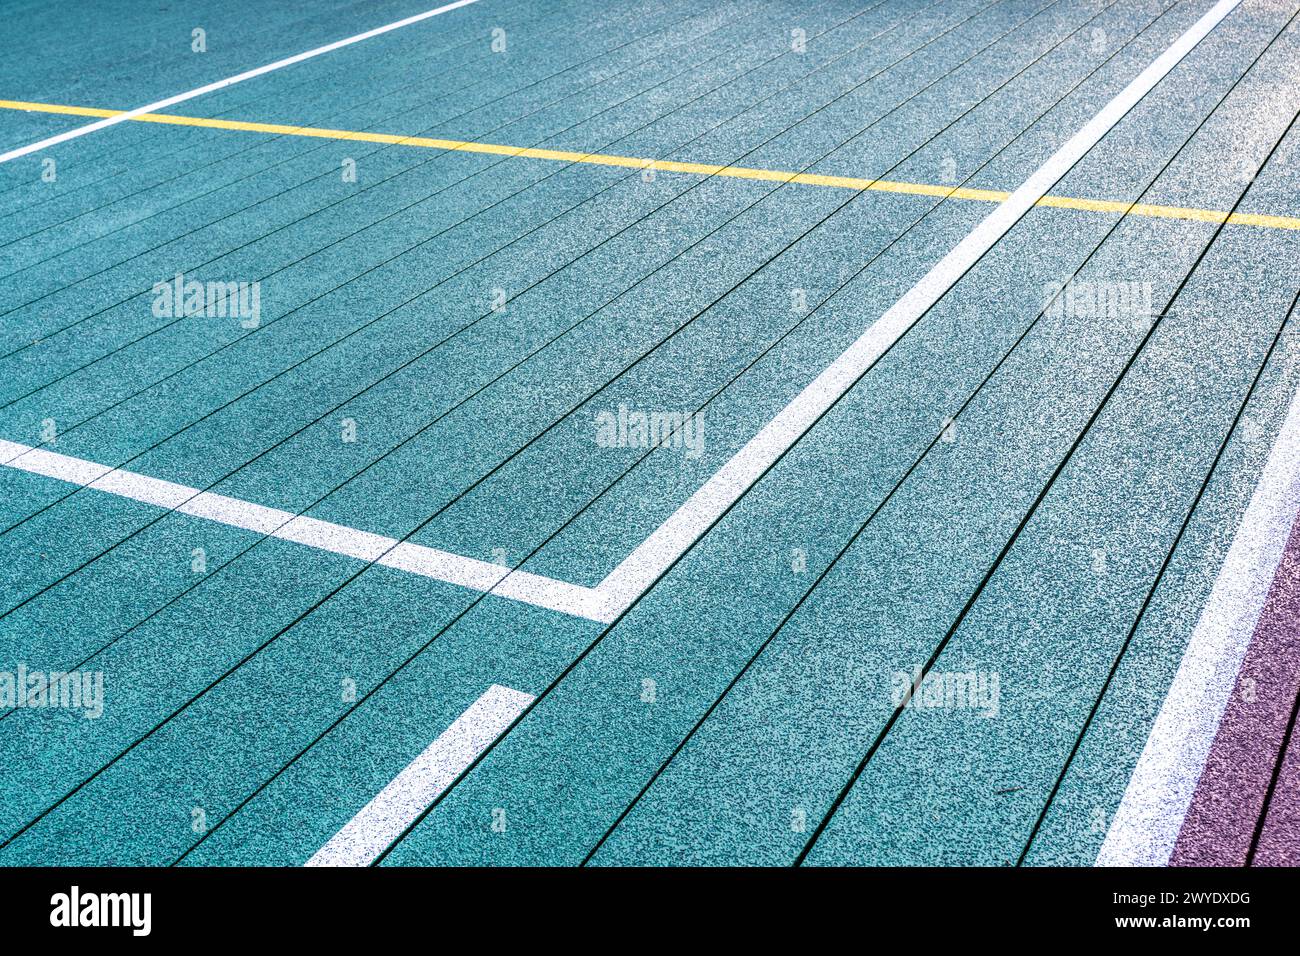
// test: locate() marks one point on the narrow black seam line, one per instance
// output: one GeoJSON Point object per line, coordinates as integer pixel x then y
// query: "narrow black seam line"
{"type": "Point", "coordinates": [1258, 833]}
{"type": "Point", "coordinates": [321, 296]}
{"type": "Point", "coordinates": [313, 149]}
{"type": "Point", "coordinates": [276, 137]}
{"type": "Point", "coordinates": [466, 610]}
{"type": "Point", "coordinates": [454, 620]}
{"type": "Point", "coordinates": [345, 401]}
{"type": "Point", "coordinates": [1262, 820]}
{"type": "Point", "coordinates": [257, 650]}
{"type": "Point", "coordinates": [151, 164]}
{"type": "Point", "coordinates": [861, 528]}
{"type": "Point", "coordinates": [325, 144]}
{"type": "Point", "coordinates": [407, 301]}
{"type": "Point", "coordinates": [1150, 595]}
{"type": "Point", "coordinates": [338, 486]}
{"type": "Point", "coordinates": [881, 505]}
{"type": "Point", "coordinates": [1203, 487]}
{"type": "Point", "coordinates": [840, 797]}
{"type": "Point", "coordinates": [550, 687]}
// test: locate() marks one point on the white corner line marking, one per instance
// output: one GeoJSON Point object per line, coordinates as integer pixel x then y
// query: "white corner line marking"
{"type": "Point", "coordinates": [418, 559]}
{"type": "Point", "coordinates": [229, 81]}
{"type": "Point", "coordinates": [640, 569]}
{"type": "Point", "coordinates": [635, 574]}
{"type": "Point", "coordinates": [394, 808]}
{"type": "Point", "coordinates": [1150, 815]}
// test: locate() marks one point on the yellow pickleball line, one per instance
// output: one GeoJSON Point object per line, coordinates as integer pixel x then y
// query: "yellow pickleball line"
{"type": "Point", "coordinates": [670, 166]}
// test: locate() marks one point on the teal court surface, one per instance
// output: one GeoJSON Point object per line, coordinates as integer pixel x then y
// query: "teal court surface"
{"type": "Point", "coordinates": [558, 432]}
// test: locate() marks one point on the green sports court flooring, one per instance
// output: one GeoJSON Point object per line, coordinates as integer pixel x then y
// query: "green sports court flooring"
{"type": "Point", "coordinates": [557, 432]}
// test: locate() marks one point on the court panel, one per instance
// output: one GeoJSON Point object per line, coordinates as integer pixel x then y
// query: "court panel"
{"type": "Point", "coordinates": [151, 53]}
{"type": "Point", "coordinates": [134, 159]}
{"type": "Point", "coordinates": [475, 429]}
{"type": "Point", "coordinates": [332, 441]}
{"type": "Point", "coordinates": [772, 735]}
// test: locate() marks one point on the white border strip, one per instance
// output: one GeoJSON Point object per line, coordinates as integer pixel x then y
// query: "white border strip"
{"type": "Point", "coordinates": [1150, 815]}
{"type": "Point", "coordinates": [427, 562]}
{"type": "Point", "coordinates": [657, 553]}
{"type": "Point", "coordinates": [229, 81]}
{"type": "Point", "coordinates": [393, 809]}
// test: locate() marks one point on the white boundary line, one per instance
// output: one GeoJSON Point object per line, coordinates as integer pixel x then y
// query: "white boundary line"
{"type": "Point", "coordinates": [636, 573]}
{"type": "Point", "coordinates": [639, 570]}
{"type": "Point", "coordinates": [393, 809]}
{"type": "Point", "coordinates": [229, 81]}
{"type": "Point", "coordinates": [1151, 812]}
{"type": "Point", "coordinates": [337, 539]}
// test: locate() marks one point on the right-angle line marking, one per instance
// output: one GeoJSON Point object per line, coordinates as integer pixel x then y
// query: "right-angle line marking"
{"type": "Point", "coordinates": [393, 809]}
{"type": "Point", "coordinates": [405, 556]}
{"type": "Point", "coordinates": [635, 574]}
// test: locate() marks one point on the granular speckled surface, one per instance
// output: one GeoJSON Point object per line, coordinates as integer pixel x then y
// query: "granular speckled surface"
{"type": "Point", "coordinates": [938, 629]}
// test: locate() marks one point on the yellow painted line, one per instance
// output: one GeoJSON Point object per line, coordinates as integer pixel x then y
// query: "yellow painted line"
{"type": "Point", "coordinates": [669, 166]}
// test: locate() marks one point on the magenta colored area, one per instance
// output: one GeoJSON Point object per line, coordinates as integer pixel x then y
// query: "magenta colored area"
{"type": "Point", "coordinates": [1279, 843]}
{"type": "Point", "coordinates": [1220, 822]}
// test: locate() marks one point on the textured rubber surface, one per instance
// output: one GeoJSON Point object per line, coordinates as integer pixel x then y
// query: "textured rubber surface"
{"type": "Point", "coordinates": [938, 630]}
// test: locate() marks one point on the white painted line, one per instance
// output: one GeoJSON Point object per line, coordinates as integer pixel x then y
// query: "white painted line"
{"type": "Point", "coordinates": [229, 81]}
{"type": "Point", "coordinates": [382, 820]}
{"type": "Point", "coordinates": [639, 570]}
{"type": "Point", "coordinates": [428, 562]}
{"type": "Point", "coordinates": [1146, 825]}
